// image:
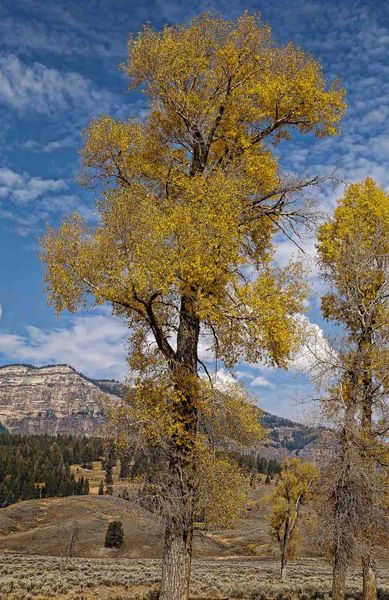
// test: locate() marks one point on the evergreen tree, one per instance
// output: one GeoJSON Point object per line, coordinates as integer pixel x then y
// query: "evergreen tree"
{"type": "Point", "coordinates": [115, 535]}
{"type": "Point", "coordinates": [124, 466]}
{"type": "Point", "coordinates": [108, 475]}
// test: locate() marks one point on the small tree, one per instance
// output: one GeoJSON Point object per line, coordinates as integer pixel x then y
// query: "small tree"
{"type": "Point", "coordinates": [295, 485]}
{"type": "Point", "coordinates": [40, 486]}
{"type": "Point", "coordinates": [108, 475]}
{"type": "Point", "coordinates": [115, 535]}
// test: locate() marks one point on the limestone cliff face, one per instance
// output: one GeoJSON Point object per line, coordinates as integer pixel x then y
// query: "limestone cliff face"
{"type": "Point", "coordinates": [52, 399]}
{"type": "Point", "coordinates": [58, 400]}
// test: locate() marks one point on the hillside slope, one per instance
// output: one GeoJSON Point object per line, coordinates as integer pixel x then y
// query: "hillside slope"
{"type": "Point", "coordinates": [45, 526]}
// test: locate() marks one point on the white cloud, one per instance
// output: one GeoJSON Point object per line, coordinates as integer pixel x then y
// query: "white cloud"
{"type": "Point", "coordinates": [38, 88]}
{"type": "Point", "coordinates": [61, 35]}
{"type": "Point", "coordinates": [22, 187]}
{"type": "Point", "coordinates": [316, 352]}
{"type": "Point", "coordinates": [94, 345]}
{"type": "Point", "coordinates": [222, 379]}
{"type": "Point", "coordinates": [261, 381]}
{"type": "Point", "coordinates": [69, 141]}
{"type": "Point", "coordinates": [29, 201]}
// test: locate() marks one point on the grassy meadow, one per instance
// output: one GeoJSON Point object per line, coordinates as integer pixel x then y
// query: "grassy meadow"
{"type": "Point", "coordinates": [42, 578]}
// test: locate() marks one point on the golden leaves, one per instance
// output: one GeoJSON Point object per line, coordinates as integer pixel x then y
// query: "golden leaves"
{"type": "Point", "coordinates": [353, 248]}
{"type": "Point", "coordinates": [296, 484]}
{"type": "Point", "coordinates": [211, 65]}
{"type": "Point", "coordinates": [190, 193]}
{"type": "Point", "coordinates": [221, 488]}
{"type": "Point", "coordinates": [191, 198]}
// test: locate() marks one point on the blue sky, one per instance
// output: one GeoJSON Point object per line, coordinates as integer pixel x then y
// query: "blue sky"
{"type": "Point", "coordinates": [58, 69]}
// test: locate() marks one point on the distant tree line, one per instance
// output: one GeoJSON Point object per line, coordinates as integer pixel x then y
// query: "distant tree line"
{"type": "Point", "coordinates": [38, 466]}
{"type": "Point", "coordinates": [296, 440]}
{"type": "Point", "coordinates": [254, 463]}
{"type": "Point", "coordinates": [271, 421]}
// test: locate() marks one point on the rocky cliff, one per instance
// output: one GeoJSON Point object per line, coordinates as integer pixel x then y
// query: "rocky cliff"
{"type": "Point", "coordinates": [52, 399]}
{"type": "Point", "coordinates": [58, 400]}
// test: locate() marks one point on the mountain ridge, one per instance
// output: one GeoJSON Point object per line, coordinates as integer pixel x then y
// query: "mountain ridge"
{"type": "Point", "coordinates": [53, 399]}
{"type": "Point", "coordinates": [58, 399]}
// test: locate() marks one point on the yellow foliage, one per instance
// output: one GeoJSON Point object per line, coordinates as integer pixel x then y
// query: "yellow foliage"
{"type": "Point", "coordinates": [191, 197]}
{"type": "Point", "coordinates": [221, 487]}
{"type": "Point", "coordinates": [192, 194]}
{"type": "Point", "coordinates": [295, 485]}
{"type": "Point", "coordinates": [187, 69]}
{"type": "Point", "coordinates": [353, 247]}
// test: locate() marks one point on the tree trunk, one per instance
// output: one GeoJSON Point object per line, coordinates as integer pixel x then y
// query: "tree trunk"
{"type": "Point", "coordinates": [338, 582]}
{"type": "Point", "coordinates": [284, 564]}
{"type": "Point", "coordinates": [368, 563]}
{"type": "Point", "coordinates": [177, 554]}
{"type": "Point", "coordinates": [176, 563]}
{"type": "Point", "coordinates": [369, 578]}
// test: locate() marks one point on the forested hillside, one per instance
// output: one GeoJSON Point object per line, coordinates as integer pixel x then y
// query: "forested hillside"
{"type": "Point", "coordinates": [39, 465]}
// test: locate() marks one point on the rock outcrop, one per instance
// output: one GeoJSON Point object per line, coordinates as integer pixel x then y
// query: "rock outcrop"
{"type": "Point", "coordinates": [57, 399]}
{"type": "Point", "coordinates": [51, 399]}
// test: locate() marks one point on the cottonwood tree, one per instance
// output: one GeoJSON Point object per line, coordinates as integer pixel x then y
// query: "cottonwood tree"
{"type": "Point", "coordinates": [191, 196]}
{"type": "Point", "coordinates": [353, 251]}
{"type": "Point", "coordinates": [295, 485]}
{"type": "Point", "coordinates": [344, 484]}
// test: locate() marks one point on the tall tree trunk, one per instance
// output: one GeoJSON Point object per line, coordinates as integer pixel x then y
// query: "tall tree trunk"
{"type": "Point", "coordinates": [338, 581]}
{"type": "Point", "coordinates": [368, 563]}
{"type": "Point", "coordinates": [343, 490]}
{"type": "Point", "coordinates": [284, 564]}
{"type": "Point", "coordinates": [176, 565]}
{"type": "Point", "coordinates": [369, 578]}
{"type": "Point", "coordinates": [177, 555]}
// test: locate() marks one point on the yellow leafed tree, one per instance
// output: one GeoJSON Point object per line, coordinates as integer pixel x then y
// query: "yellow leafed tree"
{"type": "Point", "coordinates": [353, 251]}
{"type": "Point", "coordinates": [191, 197]}
{"type": "Point", "coordinates": [295, 485]}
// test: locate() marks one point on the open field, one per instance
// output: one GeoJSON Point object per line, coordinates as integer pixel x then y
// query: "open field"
{"type": "Point", "coordinates": [44, 578]}
{"type": "Point", "coordinates": [238, 563]}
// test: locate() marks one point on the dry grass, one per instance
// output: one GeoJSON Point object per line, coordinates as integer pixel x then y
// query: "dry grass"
{"type": "Point", "coordinates": [43, 578]}
{"type": "Point", "coordinates": [239, 563]}
{"type": "Point", "coordinates": [41, 527]}
{"type": "Point", "coordinates": [97, 474]}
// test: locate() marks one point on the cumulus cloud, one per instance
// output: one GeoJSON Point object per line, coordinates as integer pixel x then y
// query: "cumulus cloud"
{"type": "Point", "coordinates": [223, 379]}
{"type": "Point", "coordinates": [28, 201]}
{"type": "Point", "coordinates": [22, 187]}
{"type": "Point", "coordinates": [94, 345]}
{"type": "Point", "coordinates": [316, 354]}
{"type": "Point", "coordinates": [260, 381]}
{"type": "Point", "coordinates": [38, 88]}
